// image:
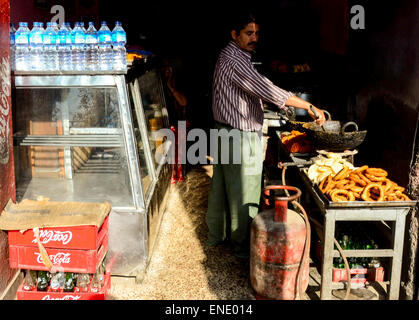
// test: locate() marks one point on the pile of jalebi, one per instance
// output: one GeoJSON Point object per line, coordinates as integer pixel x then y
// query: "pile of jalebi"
{"type": "Point", "coordinates": [296, 142]}
{"type": "Point", "coordinates": [364, 183]}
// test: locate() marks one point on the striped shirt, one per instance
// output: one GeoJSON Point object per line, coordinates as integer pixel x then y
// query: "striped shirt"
{"type": "Point", "coordinates": [238, 91]}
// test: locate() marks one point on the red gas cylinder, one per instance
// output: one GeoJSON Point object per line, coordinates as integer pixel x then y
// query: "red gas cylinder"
{"type": "Point", "coordinates": [278, 238]}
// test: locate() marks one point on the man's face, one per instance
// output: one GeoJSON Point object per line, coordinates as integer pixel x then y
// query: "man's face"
{"type": "Point", "coordinates": [248, 37]}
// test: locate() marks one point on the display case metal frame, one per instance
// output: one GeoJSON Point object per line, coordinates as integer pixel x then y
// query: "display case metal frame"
{"type": "Point", "coordinates": [130, 226]}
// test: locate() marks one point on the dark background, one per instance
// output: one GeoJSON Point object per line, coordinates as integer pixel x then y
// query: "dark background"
{"type": "Point", "coordinates": [369, 76]}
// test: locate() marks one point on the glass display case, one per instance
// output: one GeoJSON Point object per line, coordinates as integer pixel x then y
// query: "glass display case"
{"type": "Point", "coordinates": [88, 138]}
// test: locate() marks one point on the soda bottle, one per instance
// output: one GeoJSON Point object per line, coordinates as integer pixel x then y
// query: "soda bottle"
{"type": "Point", "coordinates": [29, 283]}
{"type": "Point", "coordinates": [119, 39]}
{"type": "Point", "coordinates": [105, 47]}
{"type": "Point", "coordinates": [83, 282]}
{"type": "Point", "coordinates": [69, 282]}
{"type": "Point", "coordinates": [42, 282]}
{"type": "Point", "coordinates": [98, 279]}
{"type": "Point", "coordinates": [57, 281]}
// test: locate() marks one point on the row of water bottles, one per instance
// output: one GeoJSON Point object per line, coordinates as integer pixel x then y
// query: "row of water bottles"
{"type": "Point", "coordinates": [64, 49]}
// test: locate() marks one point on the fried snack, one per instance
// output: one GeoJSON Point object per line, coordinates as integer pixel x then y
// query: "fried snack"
{"type": "Point", "coordinates": [326, 184]}
{"type": "Point", "coordinates": [361, 169]}
{"type": "Point", "coordinates": [357, 189]}
{"type": "Point", "coordinates": [364, 178]}
{"type": "Point", "coordinates": [377, 172]}
{"type": "Point", "coordinates": [367, 194]}
{"type": "Point", "coordinates": [375, 178]}
{"type": "Point", "coordinates": [339, 195]}
{"type": "Point", "coordinates": [342, 174]}
{"type": "Point", "coordinates": [403, 197]}
{"type": "Point", "coordinates": [387, 184]}
{"type": "Point", "coordinates": [357, 179]}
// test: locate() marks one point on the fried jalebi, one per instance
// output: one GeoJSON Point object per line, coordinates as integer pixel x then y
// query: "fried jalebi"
{"type": "Point", "coordinates": [364, 178]}
{"type": "Point", "coordinates": [377, 172]}
{"type": "Point", "coordinates": [361, 169]}
{"type": "Point", "coordinates": [356, 178]}
{"type": "Point", "coordinates": [342, 174]}
{"type": "Point", "coordinates": [326, 184]}
{"type": "Point", "coordinates": [367, 194]}
{"type": "Point", "coordinates": [375, 178]}
{"type": "Point", "coordinates": [339, 195]}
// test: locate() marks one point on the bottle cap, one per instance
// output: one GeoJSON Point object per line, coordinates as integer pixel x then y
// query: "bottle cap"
{"type": "Point", "coordinates": [91, 23]}
{"type": "Point", "coordinates": [103, 23]}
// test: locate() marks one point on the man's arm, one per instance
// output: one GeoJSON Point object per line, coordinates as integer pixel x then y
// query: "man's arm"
{"type": "Point", "coordinates": [251, 81]}
{"type": "Point", "coordinates": [247, 78]}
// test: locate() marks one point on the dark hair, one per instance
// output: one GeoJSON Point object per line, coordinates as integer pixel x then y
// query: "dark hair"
{"type": "Point", "coordinates": [241, 20]}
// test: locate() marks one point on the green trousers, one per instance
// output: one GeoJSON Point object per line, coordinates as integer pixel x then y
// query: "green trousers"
{"type": "Point", "coordinates": [235, 188]}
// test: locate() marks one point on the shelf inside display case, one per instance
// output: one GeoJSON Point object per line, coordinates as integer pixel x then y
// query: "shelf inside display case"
{"type": "Point", "coordinates": [72, 142]}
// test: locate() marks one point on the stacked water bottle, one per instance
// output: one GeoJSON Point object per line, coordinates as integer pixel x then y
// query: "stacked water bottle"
{"type": "Point", "coordinates": [66, 49]}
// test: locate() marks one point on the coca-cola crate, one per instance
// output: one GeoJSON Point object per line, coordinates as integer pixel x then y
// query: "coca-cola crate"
{"type": "Point", "coordinates": [359, 275]}
{"type": "Point", "coordinates": [74, 237]}
{"type": "Point", "coordinates": [77, 261]}
{"type": "Point", "coordinates": [50, 295]}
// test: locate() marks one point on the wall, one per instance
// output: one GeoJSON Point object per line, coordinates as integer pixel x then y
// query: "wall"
{"type": "Point", "coordinates": [7, 182]}
{"type": "Point", "coordinates": [383, 82]}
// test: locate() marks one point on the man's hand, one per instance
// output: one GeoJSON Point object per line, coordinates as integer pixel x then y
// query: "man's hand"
{"type": "Point", "coordinates": [318, 115]}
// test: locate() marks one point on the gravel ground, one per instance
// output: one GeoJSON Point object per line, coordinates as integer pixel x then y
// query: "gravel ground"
{"type": "Point", "coordinates": [182, 266]}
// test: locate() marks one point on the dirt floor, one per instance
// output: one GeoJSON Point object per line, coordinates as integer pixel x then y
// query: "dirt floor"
{"type": "Point", "coordinates": [184, 268]}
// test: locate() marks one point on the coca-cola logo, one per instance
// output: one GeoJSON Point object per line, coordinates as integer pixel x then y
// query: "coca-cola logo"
{"type": "Point", "coordinates": [57, 259]}
{"type": "Point", "coordinates": [46, 236]}
{"type": "Point", "coordinates": [4, 110]}
{"type": "Point", "coordinates": [67, 297]}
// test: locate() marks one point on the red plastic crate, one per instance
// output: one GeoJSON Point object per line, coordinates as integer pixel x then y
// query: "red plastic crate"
{"type": "Point", "coordinates": [49, 295]}
{"type": "Point", "coordinates": [78, 237]}
{"type": "Point", "coordinates": [77, 261]}
{"type": "Point", "coordinates": [370, 275]}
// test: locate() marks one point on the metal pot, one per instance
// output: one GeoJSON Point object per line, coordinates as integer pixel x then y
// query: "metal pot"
{"type": "Point", "coordinates": [331, 141]}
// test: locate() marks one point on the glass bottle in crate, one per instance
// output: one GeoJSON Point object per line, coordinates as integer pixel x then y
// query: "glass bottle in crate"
{"type": "Point", "coordinates": [98, 279]}
{"type": "Point", "coordinates": [42, 281]}
{"type": "Point", "coordinates": [69, 282]}
{"type": "Point", "coordinates": [29, 283]}
{"type": "Point", "coordinates": [57, 282]}
{"type": "Point", "coordinates": [83, 282]}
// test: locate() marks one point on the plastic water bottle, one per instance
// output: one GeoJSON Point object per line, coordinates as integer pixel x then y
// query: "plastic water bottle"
{"type": "Point", "coordinates": [22, 57]}
{"type": "Point", "coordinates": [50, 48]}
{"type": "Point", "coordinates": [64, 47]}
{"type": "Point", "coordinates": [78, 52]}
{"type": "Point", "coordinates": [105, 47]}
{"type": "Point", "coordinates": [92, 48]}
{"type": "Point", "coordinates": [36, 47]}
{"type": "Point", "coordinates": [55, 27]}
{"type": "Point", "coordinates": [119, 39]}
{"type": "Point", "coordinates": [82, 26]}
{"type": "Point", "coordinates": [12, 46]}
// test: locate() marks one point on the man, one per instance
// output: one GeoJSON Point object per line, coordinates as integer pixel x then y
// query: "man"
{"type": "Point", "coordinates": [238, 91]}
